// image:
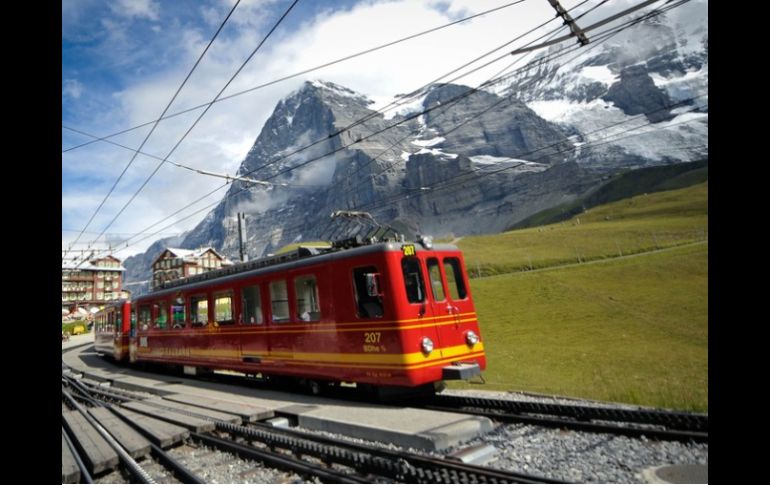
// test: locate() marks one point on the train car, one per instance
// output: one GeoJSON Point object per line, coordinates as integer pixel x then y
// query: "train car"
{"type": "Point", "coordinates": [111, 330]}
{"type": "Point", "coordinates": [386, 315]}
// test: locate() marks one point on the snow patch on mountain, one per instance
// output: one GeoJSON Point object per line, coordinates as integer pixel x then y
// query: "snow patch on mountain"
{"type": "Point", "coordinates": [436, 152]}
{"type": "Point", "coordinates": [428, 143]}
{"type": "Point", "coordinates": [601, 74]}
{"type": "Point", "coordinates": [402, 106]}
{"type": "Point", "coordinates": [565, 111]}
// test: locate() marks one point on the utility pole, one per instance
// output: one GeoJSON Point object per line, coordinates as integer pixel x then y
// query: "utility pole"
{"type": "Point", "coordinates": [240, 233]}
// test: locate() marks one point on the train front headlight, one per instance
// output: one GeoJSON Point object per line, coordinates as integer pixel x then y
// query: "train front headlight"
{"type": "Point", "coordinates": [471, 338]}
{"type": "Point", "coordinates": [427, 345]}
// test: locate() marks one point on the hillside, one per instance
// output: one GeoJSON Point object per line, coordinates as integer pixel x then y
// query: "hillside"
{"type": "Point", "coordinates": [631, 329]}
{"type": "Point", "coordinates": [622, 186]}
{"type": "Point", "coordinates": [641, 223]}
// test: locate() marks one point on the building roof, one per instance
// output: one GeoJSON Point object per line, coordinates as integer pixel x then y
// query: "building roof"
{"type": "Point", "coordinates": [89, 266]}
{"type": "Point", "coordinates": [191, 255]}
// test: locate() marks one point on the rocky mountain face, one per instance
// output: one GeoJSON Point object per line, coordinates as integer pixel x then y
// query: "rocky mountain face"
{"type": "Point", "coordinates": [416, 172]}
{"type": "Point", "coordinates": [629, 103]}
{"type": "Point", "coordinates": [477, 161]}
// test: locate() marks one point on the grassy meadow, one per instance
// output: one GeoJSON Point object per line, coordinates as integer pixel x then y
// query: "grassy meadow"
{"type": "Point", "coordinates": [631, 329]}
{"type": "Point", "coordinates": [638, 224]}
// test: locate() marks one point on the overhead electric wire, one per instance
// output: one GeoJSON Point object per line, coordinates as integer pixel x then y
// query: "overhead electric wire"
{"type": "Point", "coordinates": [484, 173]}
{"type": "Point", "coordinates": [586, 29]}
{"type": "Point", "coordinates": [547, 58]}
{"type": "Point", "coordinates": [195, 123]}
{"type": "Point", "coordinates": [179, 89]}
{"type": "Point", "coordinates": [184, 166]}
{"type": "Point", "coordinates": [437, 187]}
{"type": "Point", "coordinates": [613, 137]}
{"type": "Point", "coordinates": [434, 189]}
{"type": "Point", "coordinates": [206, 207]}
{"type": "Point", "coordinates": [445, 109]}
{"type": "Point", "coordinates": [306, 71]}
{"type": "Point", "coordinates": [339, 132]}
{"type": "Point", "coordinates": [427, 85]}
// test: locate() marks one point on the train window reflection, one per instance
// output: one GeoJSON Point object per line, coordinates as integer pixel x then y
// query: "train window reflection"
{"type": "Point", "coordinates": [177, 315]}
{"type": "Point", "coordinates": [415, 288]}
{"type": "Point", "coordinates": [199, 310]}
{"type": "Point", "coordinates": [454, 278]}
{"type": "Point", "coordinates": [144, 317]}
{"type": "Point", "coordinates": [161, 315]}
{"type": "Point", "coordinates": [223, 309]}
{"type": "Point", "coordinates": [279, 300]}
{"type": "Point", "coordinates": [435, 280]}
{"type": "Point", "coordinates": [306, 289]}
{"type": "Point", "coordinates": [368, 292]}
{"type": "Point", "coordinates": [252, 305]}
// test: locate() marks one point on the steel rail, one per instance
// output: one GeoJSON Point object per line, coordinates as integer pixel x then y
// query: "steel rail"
{"type": "Point", "coordinates": [396, 464]}
{"type": "Point", "coordinates": [180, 471]}
{"type": "Point", "coordinates": [85, 477]}
{"type": "Point", "coordinates": [133, 467]}
{"type": "Point", "coordinates": [278, 460]}
{"type": "Point", "coordinates": [553, 422]}
{"type": "Point", "coordinates": [401, 466]}
{"type": "Point", "coordinates": [670, 419]}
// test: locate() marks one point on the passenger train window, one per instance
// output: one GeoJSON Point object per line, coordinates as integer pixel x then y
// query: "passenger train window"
{"type": "Point", "coordinates": [368, 292]}
{"type": "Point", "coordinates": [223, 309]}
{"type": "Point", "coordinates": [415, 288]}
{"type": "Point", "coordinates": [435, 280]}
{"type": "Point", "coordinates": [279, 301]}
{"type": "Point", "coordinates": [306, 289]}
{"type": "Point", "coordinates": [199, 310]}
{"type": "Point", "coordinates": [133, 321]}
{"type": "Point", "coordinates": [252, 305]}
{"type": "Point", "coordinates": [161, 315]}
{"type": "Point", "coordinates": [144, 317]}
{"type": "Point", "coordinates": [454, 278]}
{"type": "Point", "coordinates": [177, 314]}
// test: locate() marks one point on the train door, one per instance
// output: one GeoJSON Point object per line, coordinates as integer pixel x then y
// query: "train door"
{"type": "Point", "coordinates": [455, 310]}
{"type": "Point", "coordinates": [281, 331]}
{"type": "Point", "coordinates": [254, 335]}
{"type": "Point", "coordinates": [117, 324]}
{"type": "Point", "coordinates": [421, 307]}
{"type": "Point", "coordinates": [132, 339]}
{"type": "Point", "coordinates": [442, 313]}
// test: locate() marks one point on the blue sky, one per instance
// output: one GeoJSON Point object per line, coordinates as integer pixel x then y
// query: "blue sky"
{"type": "Point", "coordinates": [122, 60]}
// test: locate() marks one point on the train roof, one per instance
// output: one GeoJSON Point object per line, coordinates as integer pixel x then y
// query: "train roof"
{"type": "Point", "coordinates": [302, 256]}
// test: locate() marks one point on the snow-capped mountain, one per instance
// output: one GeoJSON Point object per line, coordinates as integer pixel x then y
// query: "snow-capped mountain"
{"type": "Point", "coordinates": [477, 161]}
{"type": "Point", "coordinates": [653, 95]}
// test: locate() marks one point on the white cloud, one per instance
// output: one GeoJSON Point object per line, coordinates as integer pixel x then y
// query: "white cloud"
{"type": "Point", "coordinates": [223, 137]}
{"type": "Point", "coordinates": [71, 88]}
{"type": "Point", "coordinates": [136, 9]}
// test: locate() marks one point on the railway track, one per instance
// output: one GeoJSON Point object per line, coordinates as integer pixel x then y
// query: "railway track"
{"type": "Point", "coordinates": [160, 466]}
{"type": "Point", "coordinates": [330, 460]}
{"type": "Point", "coordinates": [659, 424]}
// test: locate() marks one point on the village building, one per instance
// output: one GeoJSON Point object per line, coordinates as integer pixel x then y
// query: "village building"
{"type": "Point", "coordinates": [92, 283]}
{"type": "Point", "coordinates": [175, 263]}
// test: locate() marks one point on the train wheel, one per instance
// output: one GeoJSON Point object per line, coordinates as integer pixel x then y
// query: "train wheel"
{"type": "Point", "coordinates": [314, 387]}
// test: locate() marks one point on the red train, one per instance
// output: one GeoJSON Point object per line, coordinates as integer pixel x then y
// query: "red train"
{"type": "Point", "coordinates": [387, 314]}
{"type": "Point", "coordinates": [111, 329]}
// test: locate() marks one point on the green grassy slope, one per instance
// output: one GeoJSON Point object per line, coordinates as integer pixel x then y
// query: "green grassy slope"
{"type": "Point", "coordinates": [631, 329]}
{"type": "Point", "coordinates": [641, 223]}
{"type": "Point", "coordinates": [622, 186]}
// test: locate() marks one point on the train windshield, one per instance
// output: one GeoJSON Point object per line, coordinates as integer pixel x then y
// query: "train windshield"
{"type": "Point", "coordinates": [454, 277]}
{"type": "Point", "coordinates": [368, 292]}
{"type": "Point", "coordinates": [415, 287]}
